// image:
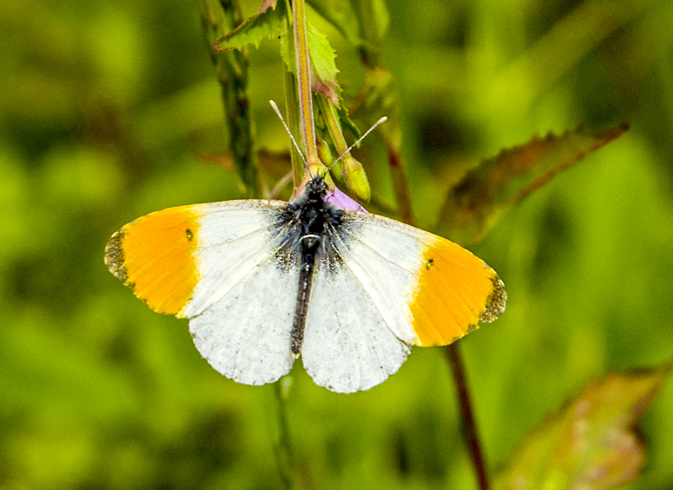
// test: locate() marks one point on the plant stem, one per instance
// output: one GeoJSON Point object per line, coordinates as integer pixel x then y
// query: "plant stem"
{"type": "Point", "coordinates": [284, 454]}
{"type": "Point", "coordinates": [231, 69]}
{"type": "Point", "coordinates": [400, 184]}
{"type": "Point", "coordinates": [304, 84]}
{"type": "Point", "coordinates": [455, 360]}
{"type": "Point", "coordinates": [292, 104]}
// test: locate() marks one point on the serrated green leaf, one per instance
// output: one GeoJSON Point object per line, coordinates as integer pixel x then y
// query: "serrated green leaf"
{"type": "Point", "coordinates": [496, 184]}
{"type": "Point", "coordinates": [323, 66]}
{"type": "Point", "coordinates": [324, 70]}
{"type": "Point", "coordinates": [591, 443]}
{"type": "Point", "coordinates": [268, 24]}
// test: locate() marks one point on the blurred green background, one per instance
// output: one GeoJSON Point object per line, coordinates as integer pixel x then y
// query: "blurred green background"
{"type": "Point", "coordinates": [104, 106]}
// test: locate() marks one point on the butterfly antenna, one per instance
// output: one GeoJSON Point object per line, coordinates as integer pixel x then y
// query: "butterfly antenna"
{"type": "Point", "coordinates": [374, 126]}
{"type": "Point", "coordinates": [279, 186]}
{"type": "Point", "coordinates": [275, 108]}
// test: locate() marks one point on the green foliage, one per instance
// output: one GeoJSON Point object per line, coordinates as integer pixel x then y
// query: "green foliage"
{"type": "Point", "coordinates": [268, 24]}
{"type": "Point", "coordinates": [103, 113]}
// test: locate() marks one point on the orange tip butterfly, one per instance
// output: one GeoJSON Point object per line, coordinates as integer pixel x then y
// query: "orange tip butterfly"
{"type": "Point", "coordinates": [262, 282]}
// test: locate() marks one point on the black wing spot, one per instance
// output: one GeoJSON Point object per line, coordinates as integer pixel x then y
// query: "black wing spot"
{"type": "Point", "coordinates": [429, 263]}
{"type": "Point", "coordinates": [189, 234]}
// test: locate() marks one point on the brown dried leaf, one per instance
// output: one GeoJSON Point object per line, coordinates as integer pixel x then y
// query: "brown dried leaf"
{"type": "Point", "coordinates": [591, 443]}
{"type": "Point", "coordinates": [496, 184]}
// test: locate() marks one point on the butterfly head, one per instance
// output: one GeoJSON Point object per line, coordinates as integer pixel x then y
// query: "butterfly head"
{"type": "Point", "coordinates": [316, 189]}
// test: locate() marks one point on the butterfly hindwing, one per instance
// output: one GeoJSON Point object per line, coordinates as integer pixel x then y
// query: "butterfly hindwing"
{"type": "Point", "coordinates": [348, 345]}
{"type": "Point", "coordinates": [246, 333]}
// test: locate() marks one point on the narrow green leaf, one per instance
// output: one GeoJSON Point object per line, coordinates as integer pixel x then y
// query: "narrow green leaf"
{"type": "Point", "coordinates": [340, 14]}
{"type": "Point", "coordinates": [592, 442]}
{"type": "Point", "coordinates": [373, 20]}
{"type": "Point", "coordinates": [267, 24]}
{"type": "Point", "coordinates": [345, 119]}
{"type": "Point", "coordinates": [378, 97]}
{"type": "Point", "coordinates": [496, 184]}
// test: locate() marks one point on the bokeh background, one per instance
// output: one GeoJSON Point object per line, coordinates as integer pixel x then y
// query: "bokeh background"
{"type": "Point", "coordinates": [104, 107]}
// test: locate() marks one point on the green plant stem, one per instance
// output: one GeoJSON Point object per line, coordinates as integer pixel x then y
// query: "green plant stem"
{"type": "Point", "coordinates": [284, 454]}
{"type": "Point", "coordinates": [331, 119]}
{"type": "Point", "coordinates": [454, 357]}
{"type": "Point", "coordinates": [304, 85]}
{"type": "Point", "coordinates": [231, 69]}
{"type": "Point", "coordinates": [398, 176]}
{"type": "Point", "coordinates": [292, 104]}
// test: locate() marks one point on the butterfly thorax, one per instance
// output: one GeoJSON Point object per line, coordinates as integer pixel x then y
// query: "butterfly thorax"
{"type": "Point", "coordinates": [309, 216]}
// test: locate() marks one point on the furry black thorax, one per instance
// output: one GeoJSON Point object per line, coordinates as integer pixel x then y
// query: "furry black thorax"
{"type": "Point", "coordinates": [309, 216]}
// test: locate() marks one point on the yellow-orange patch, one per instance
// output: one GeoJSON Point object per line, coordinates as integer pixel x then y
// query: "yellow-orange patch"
{"type": "Point", "coordinates": [155, 256]}
{"type": "Point", "coordinates": [455, 291]}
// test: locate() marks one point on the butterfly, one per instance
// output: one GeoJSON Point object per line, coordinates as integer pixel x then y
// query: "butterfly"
{"type": "Point", "coordinates": [263, 282]}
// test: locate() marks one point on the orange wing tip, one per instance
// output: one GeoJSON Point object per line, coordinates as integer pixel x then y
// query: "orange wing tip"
{"type": "Point", "coordinates": [496, 302]}
{"type": "Point", "coordinates": [456, 290]}
{"type": "Point", "coordinates": [155, 257]}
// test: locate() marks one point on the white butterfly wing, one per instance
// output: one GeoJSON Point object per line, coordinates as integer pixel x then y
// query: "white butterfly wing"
{"type": "Point", "coordinates": [386, 286]}
{"type": "Point", "coordinates": [246, 335]}
{"type": "Point", "coordinates": [242, 309]}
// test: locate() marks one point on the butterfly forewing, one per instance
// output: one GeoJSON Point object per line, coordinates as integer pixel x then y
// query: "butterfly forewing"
{"type": "Point", "coordinates": [430, 290]}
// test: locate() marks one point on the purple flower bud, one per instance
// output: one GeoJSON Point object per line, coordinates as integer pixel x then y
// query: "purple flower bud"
{"type": "Point", "coordinates": [342, 201]}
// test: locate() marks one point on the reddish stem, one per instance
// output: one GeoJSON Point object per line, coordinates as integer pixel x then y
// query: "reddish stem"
{"type": "Point", "coordinates": [455, 360]}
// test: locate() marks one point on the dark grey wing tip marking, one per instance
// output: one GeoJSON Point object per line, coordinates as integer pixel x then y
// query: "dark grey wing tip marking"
{"type": "Point", "coordinates": [496, 302]}
{"type": "Point", "coordinates": [114, 256]}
